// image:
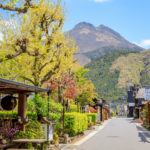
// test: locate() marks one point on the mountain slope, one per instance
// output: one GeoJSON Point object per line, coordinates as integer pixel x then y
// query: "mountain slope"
{"type": "Point", "coordinates": [105, 81]}
{"type": "Point", "coordinates": [96, 41]}
{"type": "Point", "coordinates": [113, 72]}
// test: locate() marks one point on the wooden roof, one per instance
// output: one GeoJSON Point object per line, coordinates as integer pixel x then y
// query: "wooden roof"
{"type": "Point", "coordinates": [7, 87]}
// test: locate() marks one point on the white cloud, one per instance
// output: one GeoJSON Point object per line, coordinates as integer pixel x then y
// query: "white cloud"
{"type": "Point", "coordinates": [144, 43]}
{"type": "Point", "coordinates": [101, 1]}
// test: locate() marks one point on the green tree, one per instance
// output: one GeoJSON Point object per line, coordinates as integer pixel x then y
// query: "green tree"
{"type": "Point", "coordinates": [86, 89]}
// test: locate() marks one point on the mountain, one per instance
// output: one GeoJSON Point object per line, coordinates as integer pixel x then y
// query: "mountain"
{"type": "Point", "coordinates": [113, 72]}
{"type": "Point", "coordinates": [96, 41]}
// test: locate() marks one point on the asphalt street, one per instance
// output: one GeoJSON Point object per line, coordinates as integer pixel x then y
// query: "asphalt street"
{"type": "Point", "coordinates": [118, 134]}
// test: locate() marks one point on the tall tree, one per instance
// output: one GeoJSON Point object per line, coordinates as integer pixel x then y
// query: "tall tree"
{"type": "Point", "coordinates": [86, 89]}
{"type": "Point", "coordinates": [37, 40]}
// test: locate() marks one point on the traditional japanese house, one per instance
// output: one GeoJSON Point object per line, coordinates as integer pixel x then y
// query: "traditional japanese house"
{"type": "Point", "coordinates": [103, 108]}
{"type": "Point", "coordinates": [106, 110]}
{"type": "Point", "coordinates": [141, 98]}
{"type": "Point", "coordinates": [147, 105]}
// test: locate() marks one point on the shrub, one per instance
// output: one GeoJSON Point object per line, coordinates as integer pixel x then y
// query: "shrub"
{"type": "Point", "coordinates": [73, 108]}
{"type": "Point", "coordinates": [89, 120]}
{"type": "Point", "coordinates": [33, 131]}
{"type": "Point", "coordinates": [148, 127]}
{"type": "Point", "coordinates": [58, 128]}
{"type": "Point", "coordinates": [145, 111]}
{"type": "Point", "coordinates": [145, 116]}
{"type": "Point", "coordinates": [55, 138]}
{"type": "Point", "coordinates": [38, 105]}
{"type": "Point", "coordinates": [31, 115]}
{"type": "Point", "coordinates": [93, 116]}
{"type": "Point", "coordinates": [75, 123]}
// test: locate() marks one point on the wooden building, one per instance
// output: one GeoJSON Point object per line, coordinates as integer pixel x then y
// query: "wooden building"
{"type": "Point", "coordinates": [21, 91]}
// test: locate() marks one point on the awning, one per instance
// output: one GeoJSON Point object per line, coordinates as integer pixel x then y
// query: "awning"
{"type": "Point", "coordinates": [8, 87]}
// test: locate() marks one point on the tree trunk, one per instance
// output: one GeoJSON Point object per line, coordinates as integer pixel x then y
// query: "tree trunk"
{"type": "Point", "coordinates": [59, 94]}
{"type": "Point", "coordinates": [63, 117]}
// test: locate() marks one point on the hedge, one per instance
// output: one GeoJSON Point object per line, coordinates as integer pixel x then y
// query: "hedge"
{"type": "Point", "coordinates": [73, 108]}
{"type": "Point", "coordinates": [92, 116]}
{"type": "Point", "coordinates": [8, 114]}
{"type": "Point", "coordinates": [75, 123]}
{"type": "Point", "coordinates": [14, 114]}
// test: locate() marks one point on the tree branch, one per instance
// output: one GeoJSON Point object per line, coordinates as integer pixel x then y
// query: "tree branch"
{"type": "Point", "coordinates": [10, 56]}
{"type": "Point", "coordinates": [28, 79]}
{"type": "Point", "coordinates": [18, 9]}
{"type": "Point", "coordinates": [50, 73]}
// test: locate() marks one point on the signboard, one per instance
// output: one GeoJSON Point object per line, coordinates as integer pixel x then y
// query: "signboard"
{"type": "Point", "coordinates": [50, 134]}
{"type": "Point", "coordinates": [131, 104]}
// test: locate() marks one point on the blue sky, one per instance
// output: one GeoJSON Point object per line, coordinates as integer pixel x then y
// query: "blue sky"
{"type": "Point", "coordinates": [131, 18]}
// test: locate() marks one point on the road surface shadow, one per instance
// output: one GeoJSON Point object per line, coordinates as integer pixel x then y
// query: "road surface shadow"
{"type": "Point", "coordinates": [131, 120]}
{"type": "Point", "coordinates": [143, 134]}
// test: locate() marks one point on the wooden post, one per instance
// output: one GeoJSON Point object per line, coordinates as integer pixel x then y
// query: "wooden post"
{"type": "Point", "coordinates": [48, 106]}
{"type": "Point", "coordinates": [149, 113]}
{"type": "Point", "coordinates": [101, 112]}
{"type": "Point", "coordinates": [22, 107]}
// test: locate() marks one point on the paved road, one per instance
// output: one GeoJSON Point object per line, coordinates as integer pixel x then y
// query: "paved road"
{"type": "Point", "coordinates": [118, 134]}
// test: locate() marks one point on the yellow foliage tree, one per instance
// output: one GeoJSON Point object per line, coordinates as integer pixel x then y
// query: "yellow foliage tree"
{"type": "Point", "coordinates": [86, 89]}
{"type": "Point", "coordinates": [36, 45]}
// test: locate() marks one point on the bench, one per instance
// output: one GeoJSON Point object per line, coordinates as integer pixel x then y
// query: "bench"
{"type": "Point", "coordinates": [19, 149]}
{"type": "Point", "coordinates": [33, 141]}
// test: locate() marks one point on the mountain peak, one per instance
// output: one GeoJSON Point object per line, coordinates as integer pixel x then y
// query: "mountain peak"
{"type": "Point", "coordinates": [95, 41]}
{"type": "Point", "coordinates": [84, 25]}
{"type": "Point", "coordinates": [102, 26]}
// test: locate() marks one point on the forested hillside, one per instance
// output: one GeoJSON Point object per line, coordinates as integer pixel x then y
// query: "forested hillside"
{"type": "Point", "coordinates": [106, 81]}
